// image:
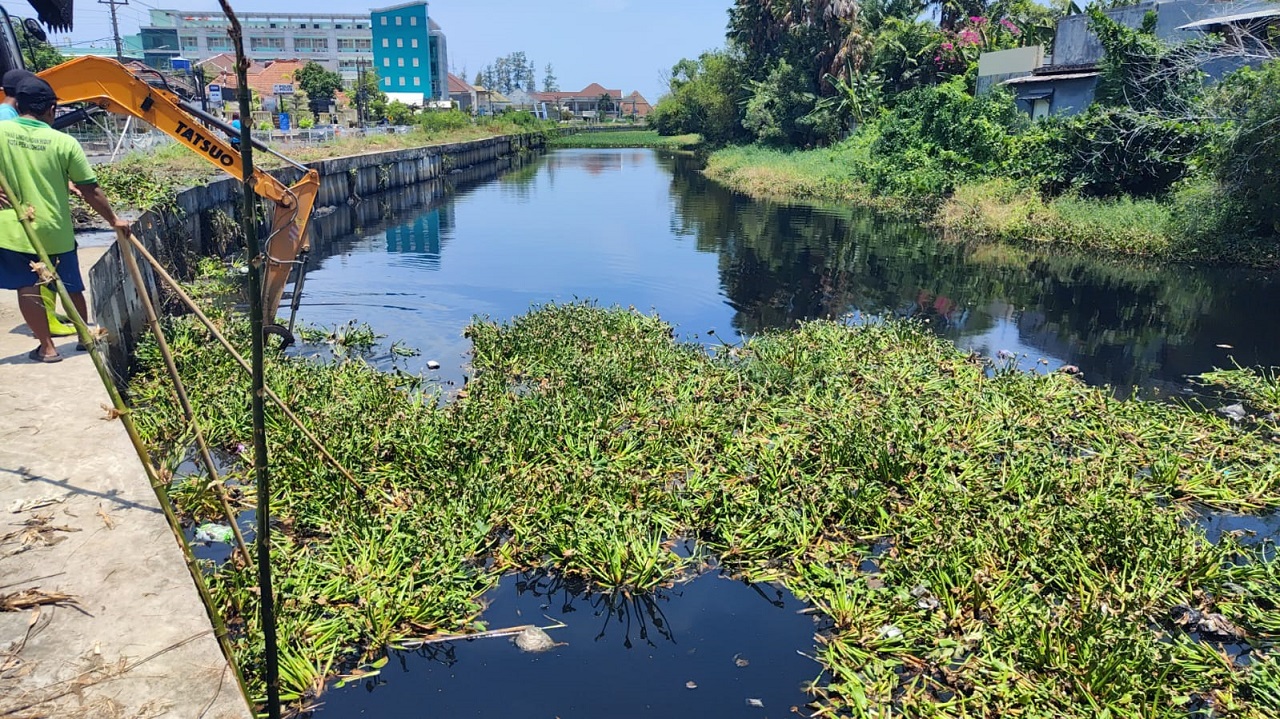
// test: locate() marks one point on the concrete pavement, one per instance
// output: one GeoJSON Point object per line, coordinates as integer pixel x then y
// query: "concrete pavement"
{"type": "Point", "coordinates": [78, 517]}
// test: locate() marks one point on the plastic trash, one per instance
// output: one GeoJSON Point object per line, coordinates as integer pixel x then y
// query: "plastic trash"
{"type": "Point", "coordinates": [213, 532]}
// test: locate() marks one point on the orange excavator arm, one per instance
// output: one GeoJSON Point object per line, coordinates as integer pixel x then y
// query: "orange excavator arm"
{"type": "Point", "coordinates": [108, 84]}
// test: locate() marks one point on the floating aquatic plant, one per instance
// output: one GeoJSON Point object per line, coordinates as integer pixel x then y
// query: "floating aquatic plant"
{"type": "Point", "coordinates": [986, 544]}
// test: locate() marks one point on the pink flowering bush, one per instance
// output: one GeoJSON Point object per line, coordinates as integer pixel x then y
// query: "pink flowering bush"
{"type": "Point", "coordinates": [956, 50]}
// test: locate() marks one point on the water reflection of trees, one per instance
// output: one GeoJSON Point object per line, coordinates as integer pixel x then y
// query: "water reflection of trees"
{"type": "Point", "coordinates": [1126, 321]}
{"type": "Point", "coordinates": [638, 614]}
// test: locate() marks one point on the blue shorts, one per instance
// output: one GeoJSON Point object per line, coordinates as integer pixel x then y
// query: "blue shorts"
{"type": "Point", "coordinates": [16, 272]}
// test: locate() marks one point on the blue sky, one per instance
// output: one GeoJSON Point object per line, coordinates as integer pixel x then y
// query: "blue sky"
{"type": "Point", "coordinates": [624, 44]}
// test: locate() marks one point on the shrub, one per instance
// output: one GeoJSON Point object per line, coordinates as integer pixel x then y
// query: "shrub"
{"type": "Point", "coordinates": [1246, 160]}
{"type": "Point", "coordinates": [439, 120]}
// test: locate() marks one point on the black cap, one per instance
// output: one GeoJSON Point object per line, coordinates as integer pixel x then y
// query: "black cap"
{"type": "Point", "coordinates": [34, 92]}
{"type": "Point", "coordinates": [12, 78]}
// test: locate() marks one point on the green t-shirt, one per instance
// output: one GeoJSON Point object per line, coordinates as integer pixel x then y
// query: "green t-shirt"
{"type": "Point", "coordinates": [37, 160]}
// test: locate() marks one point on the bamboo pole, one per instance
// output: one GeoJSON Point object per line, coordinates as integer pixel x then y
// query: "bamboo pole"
{"type": "Point", "coordinates": [266, 598]}
{"type": "Point", "coordinates": [25, 218]}
{"type": "Point", "coordinates": [185, 298]}
{"type": "Point", "coordinates": [149, 310]}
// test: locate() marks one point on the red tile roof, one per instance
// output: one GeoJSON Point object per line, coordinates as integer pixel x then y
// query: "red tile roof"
{"type": "Point", "coordinates": [590, 92]}
{"type": "Point", "coordinates": [457, 85]}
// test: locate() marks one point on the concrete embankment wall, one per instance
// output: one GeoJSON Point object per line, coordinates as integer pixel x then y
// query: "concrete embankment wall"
{"type": "Point", "coordinates": [206, 223]}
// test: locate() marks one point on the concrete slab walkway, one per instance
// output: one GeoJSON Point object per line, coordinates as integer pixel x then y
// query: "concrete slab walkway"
{"type": "Point", "coordinates": [78, 517]}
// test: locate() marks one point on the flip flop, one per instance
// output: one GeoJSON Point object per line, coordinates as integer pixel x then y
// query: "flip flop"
{"type": "Point", "coordinates": [35, 356]}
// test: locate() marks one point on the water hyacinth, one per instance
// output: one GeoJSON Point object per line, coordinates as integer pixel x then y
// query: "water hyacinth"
{"type": "Point", "coordinates": [985, 542]}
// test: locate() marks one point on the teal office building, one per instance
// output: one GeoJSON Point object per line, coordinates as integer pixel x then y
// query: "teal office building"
{"type": "Point", "coordinates": [409, 54]}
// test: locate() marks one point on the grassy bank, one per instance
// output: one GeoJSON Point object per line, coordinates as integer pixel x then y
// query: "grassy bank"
{"type": "Point", "coordinates": [628, 138]}
{"type": "Point", "coordinates": [986, 544]}
{"type": "Point", "coordinates": [1185, 226]}
{"type": "Point", "coordinates": [143, 180]}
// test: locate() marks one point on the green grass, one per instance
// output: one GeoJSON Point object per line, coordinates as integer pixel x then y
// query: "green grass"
{"type": "Point", "coordinates": [1194, 224]}
{"type": "Point", "coordinates": [627, 138]}
{"type": "Point", "coordinates": [1031, 535]}
{"type": "Point", "coordinates": [767, 173]}
{"type": "Point", "coordinates": [145, 180]}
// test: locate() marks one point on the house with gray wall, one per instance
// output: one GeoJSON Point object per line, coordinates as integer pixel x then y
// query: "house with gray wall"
{"type": "Point", "coordinates": [1066, 82]}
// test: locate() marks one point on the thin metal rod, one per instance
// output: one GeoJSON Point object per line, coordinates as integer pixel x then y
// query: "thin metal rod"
{"type": "Point", "coordinates": [185, 298]}
{"type": "Point", "coordinates": [249, 224]}
{"type": "Point", "coordinates": [149, 310]}
{"type": "Point", "coordinates": [26, 216]}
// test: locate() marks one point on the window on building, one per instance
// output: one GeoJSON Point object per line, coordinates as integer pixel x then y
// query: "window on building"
{"type": "Point", "coordinates": [355, 44]}
{"type": "Point", "coordinates": [386, 81]}
{"type": "Point", "coordinates": [417, 81]}
{"type": "Point", "coordinates": [311, 44]}
{"type": "Point", "coordinates": [189, 43]}
{"type": "Point", "coordinates": [399, 42]}
{"type": "Point", "coordinates": [402, 82]}
{"type": "Point", "coordinates": [259, 44]}
{"type": "Point", "coordinates": [384, 42]}
{"type": "Point", "coordinates": [415, 62]}
{"type": "Point", "coordinates": [219, 44]}
{"type": "Point", "coordinates": [384, 20]}
{"type": "Point", "coordinates": [414, 42]}
{"type": "Point", "coordinates": [399, 20]}
{"type": "Point", "coordinates": [400, 62]}
{"type": "Point", "coordinates": [386, 62]}
{"type": "Point", "coordinates": [413, 20]}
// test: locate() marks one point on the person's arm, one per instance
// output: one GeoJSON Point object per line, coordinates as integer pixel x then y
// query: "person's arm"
{"type": "Point", "coordinates": [97, 199]}
{"type": "Point", "coordinates": [80, 174]}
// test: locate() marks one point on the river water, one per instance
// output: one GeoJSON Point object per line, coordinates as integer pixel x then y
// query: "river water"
{"type": "Point", "coordinates": [642, 228]}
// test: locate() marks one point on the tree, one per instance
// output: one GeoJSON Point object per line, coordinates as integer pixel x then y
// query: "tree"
{"type": "Point", "coordinates": [549, 81]}
{"type": "Point", "coordinates": [706, 96]}
{"type": "Point", "coordinates": [320, 84]}
{"type": "Point", "coordinates": [530, 82]}
{"type": "Point", "coordinates": [399, 113]}
{"type": "Point", "coordinates": [38, 54]}
{"type": "Point", "coordinates": [1246, 163]}
{"type": "Point", "coordinates": [479, 80]}
{"type": "Point", "coordinates": [509, 73]}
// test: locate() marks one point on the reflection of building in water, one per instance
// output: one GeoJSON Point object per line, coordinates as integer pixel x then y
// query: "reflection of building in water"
{"type": "Point", "coordinates": [425, 235]}
{"type": "Point", "coordinates": [594, 163]}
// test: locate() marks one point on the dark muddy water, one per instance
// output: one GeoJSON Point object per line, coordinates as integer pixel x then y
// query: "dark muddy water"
{"type": "Point", "coordinates": [712, 647]}
{"type": "Point", "coordinates": [645, 229]}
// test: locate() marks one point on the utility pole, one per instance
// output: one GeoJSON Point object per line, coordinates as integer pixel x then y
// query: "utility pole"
{"type": "Point", "coordinates": [115, 26]}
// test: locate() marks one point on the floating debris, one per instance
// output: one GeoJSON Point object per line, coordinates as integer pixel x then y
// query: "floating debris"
{"type": "Point", "coordinates": [1234, 412]}
{"type": "Point", "coordinates": [433, 365]}
{"type": "Point", "coordinates": [889, 631]}
{"type": "Point", "coordinates": [534, 639]}
{"type": "Point", "coordinates": [739, 662]}
{"type": "Point", "coordinates": [755, 703]}
{"type": "Point", "coordinates": [214, 532]}
{"type": "Point", "coordinates": [690, 685]}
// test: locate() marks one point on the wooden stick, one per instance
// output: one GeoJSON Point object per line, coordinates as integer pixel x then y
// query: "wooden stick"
{"type": "Point", "coordinates": [148, 309]}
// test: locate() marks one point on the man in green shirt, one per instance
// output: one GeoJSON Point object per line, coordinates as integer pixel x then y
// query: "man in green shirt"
{"type": "Point", "coordinates": [9, 111]}
{"type": "Point", "coordinates": [38, 163]}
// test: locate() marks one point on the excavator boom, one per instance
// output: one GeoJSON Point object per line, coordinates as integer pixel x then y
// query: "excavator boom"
{"type": "Point", "coordinates": [109, 85]}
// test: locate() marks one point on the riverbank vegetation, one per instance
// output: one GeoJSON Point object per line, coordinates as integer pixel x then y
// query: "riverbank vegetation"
{"type": "Point", "coordinates": [985, 542]}
{"type": "Point", "coordinates": [142, 180]}
{"type": "Point", "coordinates": [848, 103]}
{"type": "Point", "coordinates": [627, 138]}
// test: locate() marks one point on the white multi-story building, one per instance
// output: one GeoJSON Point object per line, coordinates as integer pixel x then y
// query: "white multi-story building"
{"type": "Point", "coordinates": [339, 42]}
